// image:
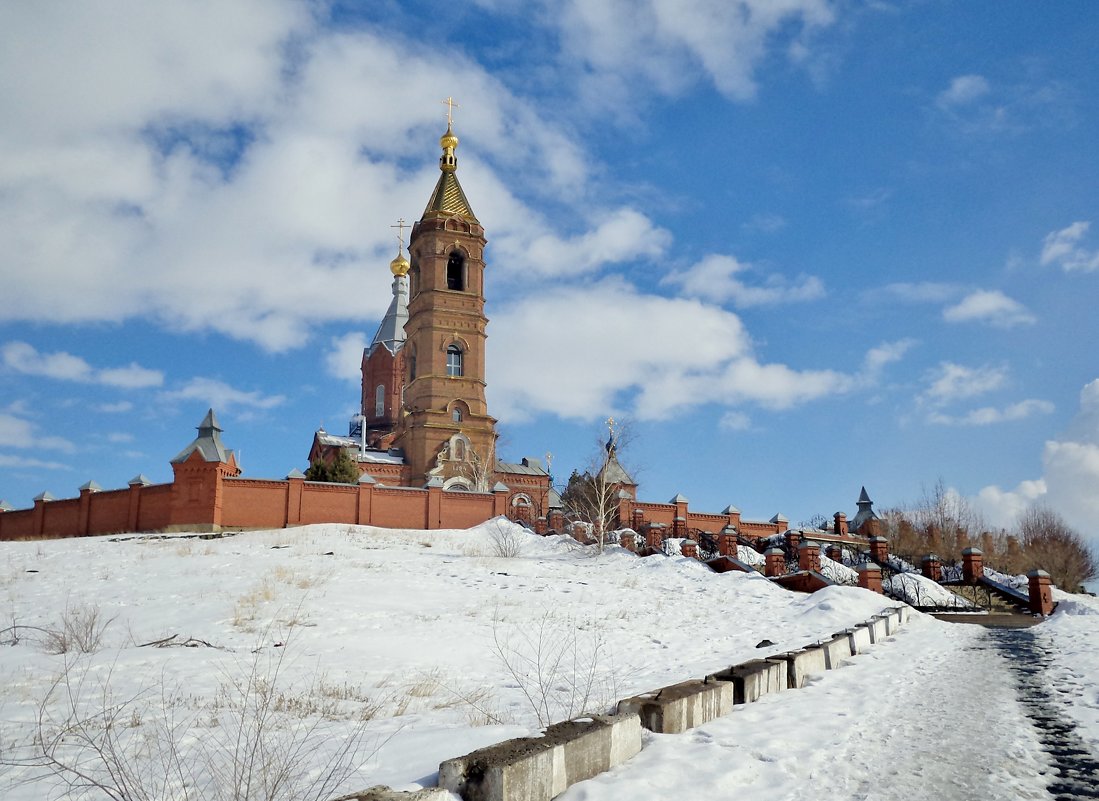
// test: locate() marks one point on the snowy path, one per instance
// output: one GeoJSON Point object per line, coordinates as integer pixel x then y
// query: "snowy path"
{"type": "Point", "coordinates": [932, 714]}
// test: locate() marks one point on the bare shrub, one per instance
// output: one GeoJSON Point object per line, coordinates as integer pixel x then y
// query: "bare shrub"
{"type": "Point", "coordinates": [506, 538]}
{"type": "Point", "coordinates": [257, 744]}
{"type": "Point", "coordinates": [80, 630]}
{"type": "Point", "coordinates": [559, 664]}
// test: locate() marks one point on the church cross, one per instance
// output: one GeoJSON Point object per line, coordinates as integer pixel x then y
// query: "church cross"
{"type": "Point", "coordinates": [400, 226]}
{"type": "Point", "coordinates": [450, 106]}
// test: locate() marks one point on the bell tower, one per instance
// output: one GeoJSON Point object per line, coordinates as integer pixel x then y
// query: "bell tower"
{"type": "Point", "coordinates": [446, 431]}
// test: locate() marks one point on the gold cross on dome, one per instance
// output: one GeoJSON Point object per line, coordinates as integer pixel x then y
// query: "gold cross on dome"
{"type": "Point", "coordinates": [400, 226]}
{"type": "Point", "coordinates": [450, 106]}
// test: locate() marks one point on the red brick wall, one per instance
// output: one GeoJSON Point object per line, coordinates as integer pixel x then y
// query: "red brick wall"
{"type": "Point", "coordinates": [62, 518]}
{"type": "Point", "coordinates": [248, 503]}
{"type": "Point", "coordinates": [156, 508]}
{"type": "Point", "coordinates": [110, 511]}
{"type": "Point", "coordinates": [465, 509]}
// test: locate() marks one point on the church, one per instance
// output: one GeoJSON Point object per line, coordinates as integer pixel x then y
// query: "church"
{"type": "Point", "coordinates": [423, 419]}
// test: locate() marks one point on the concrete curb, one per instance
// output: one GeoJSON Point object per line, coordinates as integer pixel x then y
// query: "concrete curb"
{"type": "Point", "coordinates": [539, 768]}
{"type": "Point", "coordinates": [680, 707]}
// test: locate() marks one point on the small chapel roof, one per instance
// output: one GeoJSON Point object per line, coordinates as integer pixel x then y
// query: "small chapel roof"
{"type": "Point", "coordinates": [390, 334]}
{"type": "Point", "coordinates": [207, 443]}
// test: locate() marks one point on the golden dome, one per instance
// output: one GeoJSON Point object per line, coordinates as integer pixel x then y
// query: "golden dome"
{"type": "Point", "coordinates": [400, 266]}
{"type": "Point", "coordinates": [448, 140]}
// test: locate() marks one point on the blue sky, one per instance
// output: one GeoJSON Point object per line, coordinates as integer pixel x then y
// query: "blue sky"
{"type": "Point", "coordinates": [804, 245]}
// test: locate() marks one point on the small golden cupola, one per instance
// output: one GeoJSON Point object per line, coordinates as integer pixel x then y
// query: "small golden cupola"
{"type": "Point", "coordinates": [399, 266]}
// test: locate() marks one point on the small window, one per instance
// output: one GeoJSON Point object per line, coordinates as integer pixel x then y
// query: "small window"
{"type": "Point", "coordinates": [379, 400]}
{"type": "Point", "coordinates": [453, 361]}
{"type": "Point", "coordinates": [456, 415]}
{"type": "Point", "coordinates": [459, 449]}
{"type": "Point", "coordinates": [456, 272]}
{"type": "Point", "coordinates": [412, 366]}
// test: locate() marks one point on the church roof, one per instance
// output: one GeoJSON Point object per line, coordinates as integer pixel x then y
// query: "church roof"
{"type": "Point", "coordinates": [614, 472]}
{"type": "Point", "coordinates": [370, 455]}
{"type": "Point", "coordinates": [866, 511]}
{"type": "Point", "coordinates": [449, 199]}
{"type": "Point", "coordinates": [391, 330]}
{"type": "Point", "coordinates": [207, 443]}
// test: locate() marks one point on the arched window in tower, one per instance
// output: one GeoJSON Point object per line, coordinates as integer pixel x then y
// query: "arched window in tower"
{"type": "Point", "coordinates": [412, 366]}
{"type": "Point", "coordinates": [456, 414]}
{"type": "Point", "coordinates": [456, 272]}
{"type": "Point", "coordinates": [454, 361]}
{"type": "Point", "coordinates": [379, 400]}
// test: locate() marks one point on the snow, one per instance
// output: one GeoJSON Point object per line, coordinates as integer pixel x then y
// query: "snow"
{"type": "Point", "coordinates": [413, 620]}
{"type": "Point", "coordinates": [750, 556]}
{"type": "Point", "coordinates": [424, 624]}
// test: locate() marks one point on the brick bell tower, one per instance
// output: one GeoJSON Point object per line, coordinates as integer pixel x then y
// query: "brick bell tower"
{"type": "Point", "coordinates": [446, 431]}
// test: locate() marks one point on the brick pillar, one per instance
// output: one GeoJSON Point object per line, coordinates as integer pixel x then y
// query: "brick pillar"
{"type": "Point", "coordinates": [776, 562]}
{"type": "Point", "coordinates": [879, 549]}
{"type": "Point", "coordinates": [932, 567]}
{"type": "Point", "coordinates": [809, 557]}
{"type": "Point", "coordinates": [38, 523]}
{"type": "Point", "coordinates": [500, 499]}
{"type": "Point", "coordinates": [85, 508]}
{"type": "Point", "coordinates": [726, 545]}
{"type": "Point", "coordinates": [540, 525]}
{"type": "Point", "coordinates": [793, 540]}
{"type": "Point", "coordinates": [637, 519]}
{"type": "Point", "coordinates": [133, 513]}
{"type": "Point", "coordinates": [973, 569]}
{"type": "Point", "coordinates": [628, 541]}
{"type": "Point", "coordinates": [557, 521]}
{"type": "Point", "coordinates": [1041, 592]}
{"type": "Point", "coordinates": [840, 524]}
{"type": "Point", "coordinates": [870, 577]}
{"type": "Point", "coordinates": [679, 527]}
{"type": "Point", "coordinates": [654, 537]}
{"type": "Point", "coordinates": [689, 548]}
{"type": "Point", "coordinates": [835, 553]}
{"type": "Point", "coordinates": [365, 510]}
{"type": "Point", "coordinates": [434, 510]}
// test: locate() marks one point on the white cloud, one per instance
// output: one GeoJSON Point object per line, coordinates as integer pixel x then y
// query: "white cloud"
{"type": "Point", "coordinates": [345, 356]}
{"type": "Point", "coordinates": [950, 382]}
{"type": "Point", "coordinates": [715, 277]}
{"type": "Point", "coordinates": [991, 415]}
{"type": "Point", "coordinates": [921, 292]}
{"type": "Point", "coordinates": [963, 90]}
{"type": "Point", "coordinates": [17, 432]}
{"type": "Point", "coordinates": [735, 421]}
{"type": "Point", "coordinates": [989, 306]}
{"type": "Point", "coordinates": [608, 357]}
{"type": "Point", "coordinates": [884, 354]}
{"type": "Point", "coordinates": [115, 408]}
{"type": "Point", "coordinates": [1070, 481]}
{"type": "Point", "coordinates": [1063, 248]}
{"type": "Point", "coordinates": [26, 359]}
{"type": "Point", "coordinates": [220, 396]}
{"type": "Point", "coordinates": [623, 235]}
{"type": "Point", "coordinates": [617, 48]}
{"type": "Point", "coordinates": [27, 462]}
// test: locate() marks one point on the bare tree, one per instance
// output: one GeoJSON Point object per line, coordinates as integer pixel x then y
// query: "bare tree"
{"type": "Point", "coordinates": [593, 496]}
{"type": "Point", "coordinates": [1051, 544]}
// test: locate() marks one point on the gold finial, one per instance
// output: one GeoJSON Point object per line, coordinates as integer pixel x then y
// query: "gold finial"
{"type": "Point", "coordinates": [448, 141]}
{"type": "Point", "coordinates": [400, 266]}
{"type": "Point", "coordinates": [450, 106]}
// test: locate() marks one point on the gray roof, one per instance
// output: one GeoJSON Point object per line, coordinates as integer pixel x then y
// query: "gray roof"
{"type": "Point", "coordinates": [139, 479]}
{"type": "Point", "coordinates": [614, 472]}
{"type": "Point", "coordinates": [369, 455]}
{"type": "Point", "coordinates": [207, 443]}
{"type": "Point", "coordinates": [391, 331]}
{"type": "Point", "coordinates": [866, 511]}
{"type": "Point", "coordinates": [529, 467]}
{"type": "Point", "coordinates": [91, 486]}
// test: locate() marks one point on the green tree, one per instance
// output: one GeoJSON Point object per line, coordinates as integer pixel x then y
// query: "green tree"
{"type": "Point", "coordinates": [341, 471]}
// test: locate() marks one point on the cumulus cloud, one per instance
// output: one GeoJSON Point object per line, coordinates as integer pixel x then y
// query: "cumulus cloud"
{"type": "Point", "coordinates": [885, 354]}
{"type": "Point", "coordinates": [345, 355]}
{"type": "Point", "coordinates": [221, 396]}
{"type": "Point", "coordinates": [618, 349]}
{"type": "Point", "coordinates": [616, 46]}
{"type": "Point", "coordinates": [990, 415]}
{"type": "Point", "coordinates": [238, 149]}
{"type": "Point", "coordinates": [1070, 476]}
{"type": "Point", "coordinates": [1063, 248]}
{"type": "Point", "coordinates": [963, 90]}
{"type": "Point", "coordinates": [717, 277]}
{"type": "Point", "coordinates": [951, 382]}
{"type": "Point", "coordinates": [989, 306]}
{"type": "Point", "coordinates": [18, 432]}
{"type": "Point", "coordinates": [20, 357]}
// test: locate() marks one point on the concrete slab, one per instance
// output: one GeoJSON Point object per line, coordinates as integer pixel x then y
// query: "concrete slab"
{"type": "Point", "coordinates": [681, 706]}
{"type": "Point", "coordinates": [878, 629]}
{"type": "Point", "coordinates": [752, 680]}
{"type": "Point", "coordinates": [801, 664]}
{"type": "Point", "coordinates": [858, 637]}
{"type": "Point", "coordinates": [837, 651]}
{"type": "Point", "coordinates": [540, 768]}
